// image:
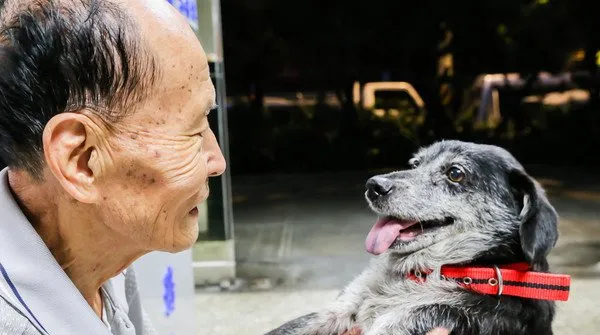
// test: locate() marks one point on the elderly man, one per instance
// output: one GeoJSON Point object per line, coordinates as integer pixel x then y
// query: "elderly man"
{"type": "Point", "coordinates": [103, 126]}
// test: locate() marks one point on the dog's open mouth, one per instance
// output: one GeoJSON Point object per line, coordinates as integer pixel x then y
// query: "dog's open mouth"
{"type": "Point", "coordinates": [387, 230]}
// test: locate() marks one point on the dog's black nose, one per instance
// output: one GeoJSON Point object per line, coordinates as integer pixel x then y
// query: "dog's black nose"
{"type": "Point", "coordinates": [378, 187]}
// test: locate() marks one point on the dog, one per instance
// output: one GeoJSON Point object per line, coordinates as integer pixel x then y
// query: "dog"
{"type": "Point", "coordinates": [459, 204]}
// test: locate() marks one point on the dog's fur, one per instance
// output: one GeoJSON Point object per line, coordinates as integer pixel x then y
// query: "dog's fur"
{"type": "Point", "coordinates": [500, 215]}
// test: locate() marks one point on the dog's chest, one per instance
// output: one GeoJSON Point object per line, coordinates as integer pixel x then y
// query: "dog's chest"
{"type": "Point", "coordinates": [403, 297]}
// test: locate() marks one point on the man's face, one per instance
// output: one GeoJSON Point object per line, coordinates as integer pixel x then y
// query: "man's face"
{"type": "Point", "coordinates": [162, 155]}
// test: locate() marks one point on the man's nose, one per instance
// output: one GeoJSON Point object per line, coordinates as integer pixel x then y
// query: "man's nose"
{"type": "Point", "coordinates": [378, 187]}
{"type": "Point", "coordinates": [215, 163]}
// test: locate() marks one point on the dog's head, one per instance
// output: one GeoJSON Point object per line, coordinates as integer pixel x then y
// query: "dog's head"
{"type": "Point", "coordinates": [460, 202]}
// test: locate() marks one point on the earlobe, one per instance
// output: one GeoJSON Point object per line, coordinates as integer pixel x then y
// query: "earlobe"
{"type": "Point", "coordinates": [68, 146]}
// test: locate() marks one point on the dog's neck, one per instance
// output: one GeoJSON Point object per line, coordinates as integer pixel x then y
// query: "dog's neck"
{"type": "Point", "coordinates": [403, 264]}
{"type": "Point", "coordinates": [499, 255]}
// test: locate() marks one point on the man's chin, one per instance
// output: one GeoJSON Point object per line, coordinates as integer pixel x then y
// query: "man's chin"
{"type": "Point", "coordinates": [184, 239]}
{"type": "Point", "coordinates": [180, 245]}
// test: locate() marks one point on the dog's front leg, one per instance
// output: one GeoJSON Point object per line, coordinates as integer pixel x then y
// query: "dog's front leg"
{"type": "Point", "coordinates": [390, 323]}
{"type": "Point", "coordinates": [341, 315]}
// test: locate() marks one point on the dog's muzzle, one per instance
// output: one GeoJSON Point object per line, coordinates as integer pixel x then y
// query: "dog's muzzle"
{"type": "Point", "coordinates": [378, 187]}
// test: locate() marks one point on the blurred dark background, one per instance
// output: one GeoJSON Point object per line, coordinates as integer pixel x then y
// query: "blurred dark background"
{"type": "Point", "coordinates": [520, 74]}
{"type": "Point", "coordinates": [323, 94]}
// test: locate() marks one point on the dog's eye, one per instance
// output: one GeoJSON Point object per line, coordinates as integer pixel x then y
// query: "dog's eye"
{"type": "Point", "coordinates": [456, 174]}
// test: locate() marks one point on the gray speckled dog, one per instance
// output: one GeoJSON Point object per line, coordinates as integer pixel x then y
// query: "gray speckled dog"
{"type": "Point", "coordinates": [460, 203]}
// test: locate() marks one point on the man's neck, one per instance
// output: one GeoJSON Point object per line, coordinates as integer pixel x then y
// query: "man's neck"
{"type": "Point", "coordinates": [86, 249]}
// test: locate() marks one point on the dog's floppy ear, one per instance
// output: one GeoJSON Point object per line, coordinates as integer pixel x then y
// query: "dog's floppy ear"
{"type": "Point", "coordinates": [539, 220]}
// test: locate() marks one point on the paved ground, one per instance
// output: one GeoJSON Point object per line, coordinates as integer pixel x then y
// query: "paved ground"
{"type": "Point", "coordinates": [300, 239]}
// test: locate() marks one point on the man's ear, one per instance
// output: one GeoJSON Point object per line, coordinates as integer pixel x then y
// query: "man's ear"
{"type": "Point", "coordinates": [539, 220]}
{"type": "Point", "coordinates": [68, 145]}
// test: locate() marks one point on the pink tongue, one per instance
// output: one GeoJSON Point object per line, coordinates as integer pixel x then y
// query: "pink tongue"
{"type": "Point", "coordinates": [384, 233]}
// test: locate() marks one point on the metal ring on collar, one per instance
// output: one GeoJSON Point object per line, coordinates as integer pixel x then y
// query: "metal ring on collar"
{"type": "Point", "coordinates": [500, 281]}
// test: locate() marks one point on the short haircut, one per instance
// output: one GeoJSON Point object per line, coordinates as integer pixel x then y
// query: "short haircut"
{"type": "Point", "coordinates": [65, 56]}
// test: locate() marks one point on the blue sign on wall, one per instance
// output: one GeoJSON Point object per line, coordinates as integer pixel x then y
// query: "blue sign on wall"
{"type": "Point", "coordinates": [189, 8]}
{"type": "Point", "coordinates": [169, 292]}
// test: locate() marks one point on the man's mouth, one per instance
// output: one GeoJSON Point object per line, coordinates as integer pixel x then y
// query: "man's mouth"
{"type": "Point", "coordinates": [389, 230]}
{"type": "Point", "coordinates": [194, 211]}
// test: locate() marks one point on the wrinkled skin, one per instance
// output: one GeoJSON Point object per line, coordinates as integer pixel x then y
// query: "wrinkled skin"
{"type": "Point", "coordinates": [113, 191]}
{"type": "Point", "coordinates": [160, 157]}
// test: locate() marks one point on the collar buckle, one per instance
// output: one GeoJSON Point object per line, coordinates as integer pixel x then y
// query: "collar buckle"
{"type": "Point", "coordinates": [499, 281]}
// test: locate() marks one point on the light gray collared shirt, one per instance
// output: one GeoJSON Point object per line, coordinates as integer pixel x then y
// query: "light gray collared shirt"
{"type": "Point", "coordinates": [36, 295]}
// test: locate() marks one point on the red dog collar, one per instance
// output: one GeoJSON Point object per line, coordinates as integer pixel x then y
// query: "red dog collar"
{"type": "Point", "coordinates": [512, 279]}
